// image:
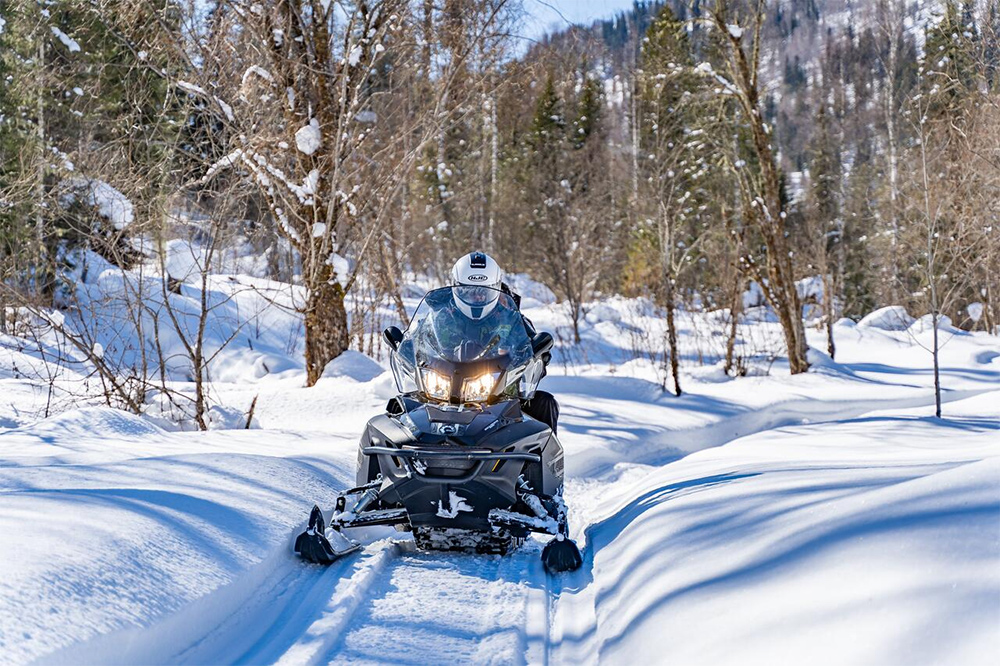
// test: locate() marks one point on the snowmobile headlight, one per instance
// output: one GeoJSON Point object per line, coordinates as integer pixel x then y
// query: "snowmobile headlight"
{"type": "Point", "coordinates": [478, 389]}
{"type": "Point", "coordinates": [436, 385]}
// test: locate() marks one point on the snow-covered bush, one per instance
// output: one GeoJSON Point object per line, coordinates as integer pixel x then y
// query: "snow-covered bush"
{"type": "Point", "coordinates": [889, 318]}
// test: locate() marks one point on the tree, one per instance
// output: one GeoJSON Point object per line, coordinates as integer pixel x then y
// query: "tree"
{"type": "Point", "coordinates": [564, 191]}
{"type": "Point", "coordinates": [761, 191]}
{"type": "Point", "coordinates": [827, 230]}
{"type": "Point", "coordinates": [672, 162]}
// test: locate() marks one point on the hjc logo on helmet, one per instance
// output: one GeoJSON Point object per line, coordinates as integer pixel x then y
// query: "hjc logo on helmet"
{"type": "Point", "coordinates": [478, 278]}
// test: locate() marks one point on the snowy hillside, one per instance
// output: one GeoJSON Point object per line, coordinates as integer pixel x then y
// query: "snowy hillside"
{"type": "Point", "coordinates": [825, 517]}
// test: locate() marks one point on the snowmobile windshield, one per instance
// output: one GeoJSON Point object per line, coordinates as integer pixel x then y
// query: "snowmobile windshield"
{"type": "Point", "coordinates": [467, 324]}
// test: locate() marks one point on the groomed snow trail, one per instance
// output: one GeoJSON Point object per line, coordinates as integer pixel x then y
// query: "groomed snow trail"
{"type": "Point", "coordinates": [390, 601]}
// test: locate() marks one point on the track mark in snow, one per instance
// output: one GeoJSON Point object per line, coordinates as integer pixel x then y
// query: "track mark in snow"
{"type": "Point", "coordinates": [538, 617]}
{"type": "Point", "coordinates": [309, 646]}
{"type": "Point", "coordinates": [451, 607]}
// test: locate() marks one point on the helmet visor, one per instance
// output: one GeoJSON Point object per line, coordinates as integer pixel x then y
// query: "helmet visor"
{"type": "Point", "coordinates": [476, 296]}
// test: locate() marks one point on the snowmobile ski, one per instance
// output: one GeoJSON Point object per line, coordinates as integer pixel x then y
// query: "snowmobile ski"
{"type": "Point", "coordinates": [313, 545]}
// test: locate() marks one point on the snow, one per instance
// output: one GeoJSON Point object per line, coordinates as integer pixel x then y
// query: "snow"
{"type": "Point", "coordinates": [533, 293]}
{"type": "Point", "coordinates": [191, 88]}
{"type": "Point", "coordinates": [735, 31]}
{"type": "Point", "coordinates": [889, 318]}
{"type": "Point", "coordinates": [975, 311]}
{"type": "Point", "coordinates": [456, 504]}
{"type": "Point", "coordinates": [184, 261]}
{"type": "Point", "coordinates": [824, 518]}
{"type": "Point", "coordinates": [111, 204]}
{"type": "Point", "coordinates": [226, 109]}
{"type": "Point", "coordinates": [926, 323]}
{"type": "Point", "coordinates": [706, 69]}
{"type": "Point", "coordinates": [308, 138]}
{"type": "Point", "coordinates": [67, 41]}
{"type": "Point", "coordinates": [354, 57]}
{"type": "Point", "coordinates": [256, 70]}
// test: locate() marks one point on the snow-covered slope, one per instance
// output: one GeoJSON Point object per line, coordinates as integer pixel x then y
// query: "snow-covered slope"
{"type": "Point", "coordinates": [825, 517]}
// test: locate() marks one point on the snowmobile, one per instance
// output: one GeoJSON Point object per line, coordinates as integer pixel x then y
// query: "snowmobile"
{"type": "Point", "coordinates": [454, 459]}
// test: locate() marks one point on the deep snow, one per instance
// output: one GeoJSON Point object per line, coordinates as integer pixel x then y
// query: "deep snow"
{"type": "Point", "coordinates": [826, 518]}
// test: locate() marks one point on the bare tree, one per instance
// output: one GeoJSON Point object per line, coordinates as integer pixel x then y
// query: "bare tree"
{"type": "Point", "coordinates": [740, 38]}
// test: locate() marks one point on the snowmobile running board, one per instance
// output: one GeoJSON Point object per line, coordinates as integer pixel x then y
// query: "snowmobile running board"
{"type": "Point", "coordinates": [454, 455]}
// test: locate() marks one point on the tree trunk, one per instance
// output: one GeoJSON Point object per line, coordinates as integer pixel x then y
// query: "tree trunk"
{"type": "Point", "coordinates": [392, 284]}
{"type": "Point", "coordinates": [831, 348]}
{"type": "Point", "coordinates": [325, 322]}
{"type": "Point", "coordinates": [937, 373]}
{"type": "Point", "coordinates": [672, 336]}
{"type": "Point", "coordinates": [735, 307]}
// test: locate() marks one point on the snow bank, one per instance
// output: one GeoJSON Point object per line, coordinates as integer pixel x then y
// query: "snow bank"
{"type": "Point", "coordinates": [111, 204]}
{"type": "Point", "coordinates": [353, 365]}
{"type": "Point", "coordinates": [926, 323]}
{"type": "Point", "coordinates": [184, 260]}
{"type": "Point", "coordinates": [889, 318]}
{"type": "Point", "coordinates": [802, 542]}
{"type": "Point", "coordinates": [228, 418]}
{"type": "Point", "coordinates": [125, 542]}
{"type": "Point", "coordinates": [533, 293]}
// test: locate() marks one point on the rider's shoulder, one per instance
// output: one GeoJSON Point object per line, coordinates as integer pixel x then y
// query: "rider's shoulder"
{"type": "Point", "coordinates": [505, 288]}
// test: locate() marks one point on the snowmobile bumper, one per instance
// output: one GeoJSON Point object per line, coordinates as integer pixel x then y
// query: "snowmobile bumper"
{"type": "Point", "coordinates": [415, 457]}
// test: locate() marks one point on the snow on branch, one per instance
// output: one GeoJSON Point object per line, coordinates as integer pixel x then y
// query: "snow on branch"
{"type": "Point", "coordinates": [226, 162]}
{"type": "Point", "coordinates": [191, 88]}
{"type": "Point", "coordinates": [705, 69]}
{"type": "Point", "coordinates": [67, 41]}
{"type": "Point", "coordinates": [256, 70]}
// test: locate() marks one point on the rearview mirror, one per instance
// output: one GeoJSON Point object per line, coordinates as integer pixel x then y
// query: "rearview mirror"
{"type": "Point", "coordinates": [541, 343]}
{"type": "Point", "coordinates": [393, 336]}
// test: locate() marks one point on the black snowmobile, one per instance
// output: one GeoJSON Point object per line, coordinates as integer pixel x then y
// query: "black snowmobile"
{"type": "Point", "coordinates": [454, 460]}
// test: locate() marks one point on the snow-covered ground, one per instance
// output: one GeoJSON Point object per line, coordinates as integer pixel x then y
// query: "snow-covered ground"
{"type": "Point", "coordinates": [826, 518]}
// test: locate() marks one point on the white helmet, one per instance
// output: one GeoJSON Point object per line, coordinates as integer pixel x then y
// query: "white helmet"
{"type": "Point", "coordinates": [477, 278]}
{"type": "Point", "coordinates": [477, 270]}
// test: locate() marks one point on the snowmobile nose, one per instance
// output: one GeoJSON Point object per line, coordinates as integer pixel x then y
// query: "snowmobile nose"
{"type": "Point", "coordinates": [561, 554]}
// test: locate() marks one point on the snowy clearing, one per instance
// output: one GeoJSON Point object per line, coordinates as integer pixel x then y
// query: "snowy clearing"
{"type": "Point", "coordinates": [825, 517]}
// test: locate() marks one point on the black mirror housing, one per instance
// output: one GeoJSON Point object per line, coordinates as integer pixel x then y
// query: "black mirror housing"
{"type": "Point", "coordinates": [542, 343]}
{"type": "Point", "coordinates": [393, 336]}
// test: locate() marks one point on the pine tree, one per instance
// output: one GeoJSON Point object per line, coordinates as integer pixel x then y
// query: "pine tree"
{"type": "Point", "coordinates": [949, 61]}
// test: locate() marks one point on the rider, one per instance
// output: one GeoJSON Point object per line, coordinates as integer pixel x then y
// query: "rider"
{"type": "Point", "coordinates": [478, 269]}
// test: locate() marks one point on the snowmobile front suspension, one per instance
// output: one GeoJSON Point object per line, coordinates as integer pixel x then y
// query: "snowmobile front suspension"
{"type": "Point", "coordinates": [371, 518]}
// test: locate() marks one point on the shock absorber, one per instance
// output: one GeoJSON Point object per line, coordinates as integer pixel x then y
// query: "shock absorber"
{"type": "Point", "coordinates": [367, 497]}
{"type": "Point", "coordinates": [531, 499]}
